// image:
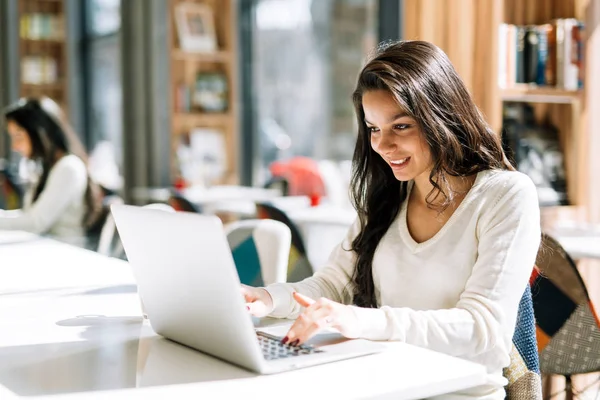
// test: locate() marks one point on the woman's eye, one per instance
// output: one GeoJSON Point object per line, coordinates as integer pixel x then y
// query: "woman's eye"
{"type": "Point", "coordinates": [401, 127]}
{"type": "Point", "coordinates": [372, 129]}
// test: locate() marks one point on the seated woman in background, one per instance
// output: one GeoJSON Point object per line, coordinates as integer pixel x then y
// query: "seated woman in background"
{"type": "Point", "coordinates": [447, 231]}
{"type": "Point", "coordinates": [62, 202]}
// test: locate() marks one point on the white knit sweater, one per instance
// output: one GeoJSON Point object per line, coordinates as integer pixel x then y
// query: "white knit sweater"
{"type": "Point", "coordinates": [456, 293]}
{"type": "Point", "coordinates": [59, 210]}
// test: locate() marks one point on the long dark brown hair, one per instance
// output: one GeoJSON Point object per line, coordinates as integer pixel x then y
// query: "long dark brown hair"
{"type": "Point", "coordinates": [50, 135]}
{"type": "Point", "coordinates": [427, 87]}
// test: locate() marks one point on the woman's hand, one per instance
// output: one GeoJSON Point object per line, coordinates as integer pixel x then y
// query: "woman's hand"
{"type": "Point", "coordinates": [258, 301]}
{"type": "Point", "coordinates": [319, 315]}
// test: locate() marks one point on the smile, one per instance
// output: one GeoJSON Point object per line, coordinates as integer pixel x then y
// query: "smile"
{"type": "Point", "coordinates": [400, 162]}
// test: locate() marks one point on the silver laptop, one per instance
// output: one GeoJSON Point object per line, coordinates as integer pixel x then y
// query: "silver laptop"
{"type": "Point", "coordinates": [190, 288]}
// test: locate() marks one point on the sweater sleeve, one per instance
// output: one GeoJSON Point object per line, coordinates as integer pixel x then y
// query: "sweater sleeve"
{"type": "Point", "coordinates": [333, 281]}
{"type": "Point", "coordinates": [509, 237]}
{"type": "Point", "coordinates": [63, 186]}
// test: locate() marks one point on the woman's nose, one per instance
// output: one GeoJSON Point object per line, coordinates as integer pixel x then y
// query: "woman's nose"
{"type": "Point", "coordinates": [386, 143]}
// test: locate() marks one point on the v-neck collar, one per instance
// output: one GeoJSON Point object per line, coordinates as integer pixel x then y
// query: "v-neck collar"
{"type": "Point", "coordinates": [403, 222]}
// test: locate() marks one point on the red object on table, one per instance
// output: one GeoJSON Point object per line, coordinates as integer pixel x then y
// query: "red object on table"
{"type": "Point", "coordinates": [315, 200]}
{"type": "Point", "coordinates": [302, 174]}
{"type": "Point", "coordinates": [180, 183]}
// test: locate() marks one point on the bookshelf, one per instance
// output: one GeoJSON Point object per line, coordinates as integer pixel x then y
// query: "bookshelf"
{"type": "Point", "coordinates": [469, 32]}
{"type": "Point", "coordinates": [43, 50]}
{"type": "Point", "coordinates": [526, 93]}
{"type": "Point", "coordinates": [195, 73]}
{"type": "Point", "coordinates": [561, 100]}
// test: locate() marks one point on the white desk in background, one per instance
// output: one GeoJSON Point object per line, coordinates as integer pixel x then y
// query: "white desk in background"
{"type": "Point", "coordinates": [226, 198]}
{"type": "Point", "coordinates": [81, 335]}
{"type": "Point", "coordinates": [579, 243]}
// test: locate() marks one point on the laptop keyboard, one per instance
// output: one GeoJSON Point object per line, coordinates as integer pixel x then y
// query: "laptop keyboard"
{"type": "Point", "coordinates": [273, 349]}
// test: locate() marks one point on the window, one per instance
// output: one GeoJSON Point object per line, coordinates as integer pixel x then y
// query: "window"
{"type": "Point", "coordinates": [104, 90]}
{"type": "Point", "coordinates": [103, 17]}
{"type": "Point", "coordinates": [306, 57]}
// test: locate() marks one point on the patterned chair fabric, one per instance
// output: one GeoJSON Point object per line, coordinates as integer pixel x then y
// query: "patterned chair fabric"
{"type": "Point", "coordinates": [568, 329]}
{"type": "Point", "coordinates": [299, 267]}
{"type": "Point", "coordinates": [11, 195]}
{"type": "Point", "coordinates": [523, 373]}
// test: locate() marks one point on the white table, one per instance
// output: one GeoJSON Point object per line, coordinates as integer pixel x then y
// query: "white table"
{"type": "Point", "coordinates": [580, 242]}
{"type": "Point", "coordinates": [581, 247]}
{"type": "Point", "coordinates": [30, 264]}
{"type": "Point", "coordinates": [83, 338]}
{"type": "Point", "coordinates": [223, 198]}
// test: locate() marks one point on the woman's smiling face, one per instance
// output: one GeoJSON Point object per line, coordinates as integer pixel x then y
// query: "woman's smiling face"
{"type": "Point", "coordinates": [395, 136]}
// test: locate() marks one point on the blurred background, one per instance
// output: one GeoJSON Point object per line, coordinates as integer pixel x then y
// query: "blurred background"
{"type": "Point", "coordinates": [183, 93]}
{"type": "Point", "coordinates": [202, 93]}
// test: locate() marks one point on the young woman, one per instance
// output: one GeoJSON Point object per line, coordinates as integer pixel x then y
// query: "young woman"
{"type": "Point", "coordinates": [62, 202]}
{"type": "Point", "coordinates": [447, 231]}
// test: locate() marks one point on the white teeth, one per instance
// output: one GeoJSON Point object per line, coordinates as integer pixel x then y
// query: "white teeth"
{"type": "Point", "coordinates": [400, 162]}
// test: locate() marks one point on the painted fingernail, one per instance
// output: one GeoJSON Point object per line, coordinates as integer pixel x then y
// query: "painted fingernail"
{"type": "Point", "coordinates": [285, 340]}
{"type": "Point", "coordinates": [295, 343]}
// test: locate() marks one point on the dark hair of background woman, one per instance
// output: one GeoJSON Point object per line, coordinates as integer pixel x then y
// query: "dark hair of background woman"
{"type": "Point", "coordinates": [427, 87]}
{"type": "Point", "coordinates": [50, 135]}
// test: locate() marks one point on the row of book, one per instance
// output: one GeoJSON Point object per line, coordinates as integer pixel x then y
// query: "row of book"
{"type": "Point", "coordinates": [545, 55]}
{"type": "Point", "coordinates": [37, 70]}
{"type": "Point", "coordinates": [41, 26]}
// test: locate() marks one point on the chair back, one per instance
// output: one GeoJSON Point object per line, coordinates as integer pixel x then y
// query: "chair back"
{"type": "Point", "coordinates": [568, 329]}
{"type": "Point", "coordinates": [280, 184]}
{"type": "Point", "coordinates": [299, 266]}
{"type": "Point", "coordinates": [107, 233]}
{"type": "Point", "coordinates": [260, 250]}
{"type": "Point", "coordinates": [109, 244]}
{"type": "Point", "coordinates": [523, 373]}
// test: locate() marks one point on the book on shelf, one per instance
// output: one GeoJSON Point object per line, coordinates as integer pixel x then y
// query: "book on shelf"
{"type": "Point", "coordinates": [182, 98]}
{"type": "Point", "coordinates": [41, 26]}
{"type": "Point", "coordinates": [39, 70]}
{"type": "Point", "coordinates": [545, 55]}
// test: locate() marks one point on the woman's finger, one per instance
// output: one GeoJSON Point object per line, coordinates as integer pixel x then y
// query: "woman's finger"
{"type": "Point", "coordinates": [320, 319]}
{"type": "Point", "coordinates": [302, 323]}
{"type": "Point", "coordinates": [247, 292]}
{"type": "Point", "coordinates": [303, 300]}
